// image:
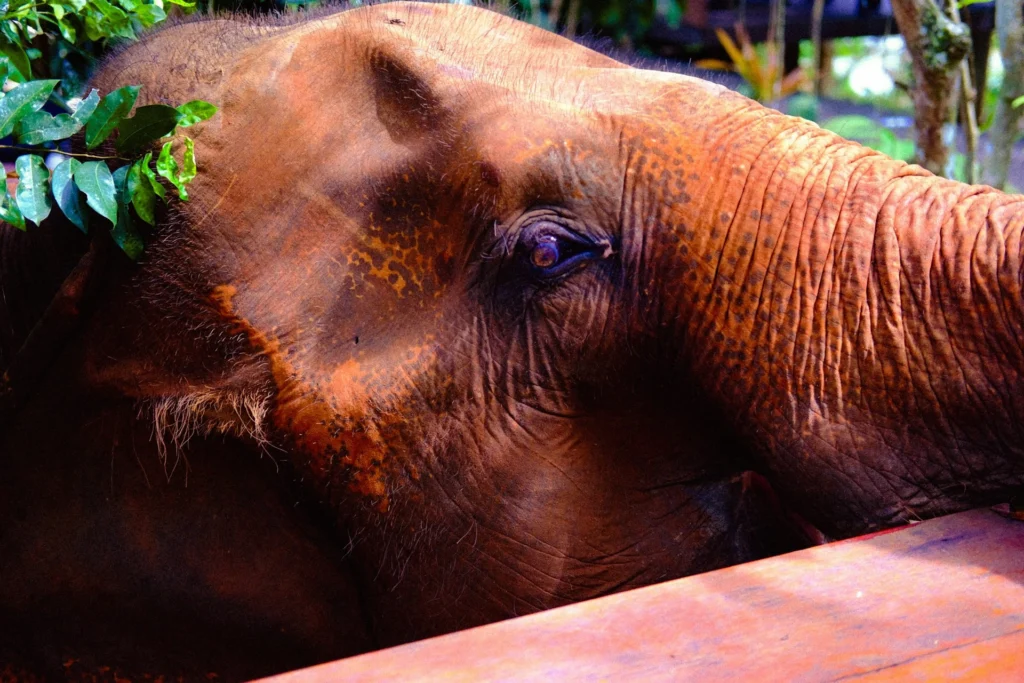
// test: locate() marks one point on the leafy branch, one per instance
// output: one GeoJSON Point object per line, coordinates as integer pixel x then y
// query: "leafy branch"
{"type": "Point", "coordinates": [118, 188]}
{"type": "Point", "coordinates": [76, 185]}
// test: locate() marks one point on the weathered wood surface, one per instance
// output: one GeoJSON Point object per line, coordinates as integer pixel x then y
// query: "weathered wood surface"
{"type": "Point", "coordinates": [941, 600]}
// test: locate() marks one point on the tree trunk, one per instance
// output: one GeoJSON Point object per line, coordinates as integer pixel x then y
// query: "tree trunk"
{"type": "Point", "coordinates": [1010, 29]}
{"type": "Point", "coordinates": [936, 45]}
{"type": "Point", "coordinates": [817, 13]}
{"type": "Point", "coordinates": [777, 35]}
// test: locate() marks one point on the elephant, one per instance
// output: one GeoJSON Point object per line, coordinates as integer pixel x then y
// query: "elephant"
{"type": "Point", "coordinates": [463, 321]}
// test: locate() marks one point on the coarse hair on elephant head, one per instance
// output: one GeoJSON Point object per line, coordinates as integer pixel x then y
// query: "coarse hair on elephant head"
{"type": "Point", "coordinates": [519, 318]}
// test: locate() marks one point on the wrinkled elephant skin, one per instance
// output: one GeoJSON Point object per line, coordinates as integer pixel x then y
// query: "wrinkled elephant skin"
{"type": "Point", "coordinates": [513, 320]}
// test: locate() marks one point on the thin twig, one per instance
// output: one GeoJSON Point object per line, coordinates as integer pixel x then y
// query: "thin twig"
{"type": "Point", "coordinates": [572, 18]}
{"type": "Point", "coordinates": [1005, 122]}
{"type": "Point", "coordinates": [84, 155]}
{"type": "Point", "coordinates": [554, 13]}
{"type": "Point", "coordinates": [967, 97]}
{"type": "Point", "coordinates": [967, 108]}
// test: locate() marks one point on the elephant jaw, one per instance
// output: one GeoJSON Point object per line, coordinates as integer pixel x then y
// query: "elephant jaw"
{"type": "Point", "coordinates": [349, 453]}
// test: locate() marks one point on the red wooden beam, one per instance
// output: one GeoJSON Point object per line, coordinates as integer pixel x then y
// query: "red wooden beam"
{"type": "Point", "coordinates": [938, 600]}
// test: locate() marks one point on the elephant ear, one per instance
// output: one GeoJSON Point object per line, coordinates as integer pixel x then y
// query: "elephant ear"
{"type": "Point", "coordinates": [406, 105]}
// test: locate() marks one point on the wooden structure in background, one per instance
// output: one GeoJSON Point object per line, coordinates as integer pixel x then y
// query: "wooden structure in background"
{"type": "Point", "coordinates": [842, 19]}
{"type": "Point", "coordinates": [939, 600]}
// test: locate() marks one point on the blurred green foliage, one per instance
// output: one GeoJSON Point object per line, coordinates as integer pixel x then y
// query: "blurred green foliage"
{"type": "Point", "coordinates": [847, 53]}
{"type": "Point", "coordinates": [872, 134]}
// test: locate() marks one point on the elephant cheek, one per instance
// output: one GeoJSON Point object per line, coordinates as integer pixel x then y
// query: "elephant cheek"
{"type": "Point", "coordinates": [327, 445]}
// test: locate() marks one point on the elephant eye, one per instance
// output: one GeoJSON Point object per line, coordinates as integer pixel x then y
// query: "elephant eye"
{"type": "Point", "coordinates": [551, 250]}
{"type": "Point", "coordinates": [545, 252]}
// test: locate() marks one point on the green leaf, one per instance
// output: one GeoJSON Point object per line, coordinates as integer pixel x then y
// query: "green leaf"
{"type": "Point", "coordinates": [124, 232]}
{"type": "Point", "coordinates": [166, 165]}
{"type": "Point", "coordinates": [120, 178]}
{"type": "Point", "coordinates": [87, 107]}
{"type": "Point", "coordinates": [990, 116]}
{"type": "Point", "coordinates": [112, 22]}
{"type": "Point", "coordinates": [9, 29]}
{"type": "Point", "coordinates": [33, 195]}
{"type": "Point", "coordinates": [23, 100]}
{"type": "Point", "coordinates": [1017, 102]}
{"type": "Point", "coordinates": [183, 3]}
{"type": "Point", "coordinates": [188, 164]}
{"type": "Point", "coordinates": [110, 112]}
{"type": "Point", "coordinates": [195, 111]}
{"type": "Point", "coordinates": [95, 180]}
{"type": "Point", "coordinates": [39, 127]}
{"type": "Point", "coordinates": [94, 30]}
{"type": "Point", "coordinates": [150, 14]}
{"type": "Point", "coordinates": [19, 12]}
{"type": "Point", "coordinates": [79, 5]}
{"type": "Point", "coordinates": [69, 199]}
{"type": "Point", "coordinates": [143, 197]}
{"type": "Point", "coordinates": [149, 123]}
{"type": "Point", "coordinates": [154, 182]}
{"type": "Point", "coordinates": [18, 59]}
{"type": "Point", "coordinates": [10, 213]}
{"type": "Point", "coordinates": [67, 31]}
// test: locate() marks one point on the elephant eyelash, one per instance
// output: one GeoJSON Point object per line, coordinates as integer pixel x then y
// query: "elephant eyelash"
{"type": "Point", "coordinates": [500, 245]}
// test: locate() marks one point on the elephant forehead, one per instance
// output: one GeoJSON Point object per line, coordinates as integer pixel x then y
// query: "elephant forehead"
{"type": "Point", "coordinates": [481, 44]}
{"type": "Point", "coordinates": [405, 269]}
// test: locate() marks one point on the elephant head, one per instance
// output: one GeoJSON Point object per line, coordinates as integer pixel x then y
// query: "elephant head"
{"type": "Point", "coordinates": [518, 315]}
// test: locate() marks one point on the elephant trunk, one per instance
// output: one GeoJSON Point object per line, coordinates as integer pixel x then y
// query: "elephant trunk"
{"type": "Point", "coordinates": [860, 320]}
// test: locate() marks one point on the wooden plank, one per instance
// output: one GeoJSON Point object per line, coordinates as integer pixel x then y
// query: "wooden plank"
{"type": "Point", "coordinates": [943, 599]}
